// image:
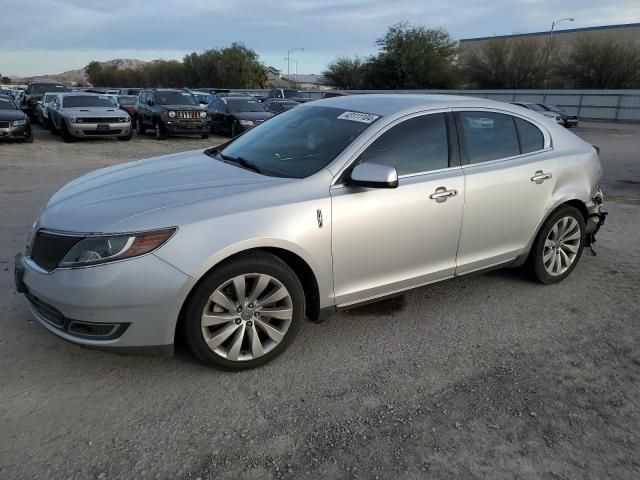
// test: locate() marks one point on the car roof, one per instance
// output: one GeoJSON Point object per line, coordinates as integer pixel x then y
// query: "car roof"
{"type": "Point", "coordinates": [388, 104]}
{"type": "Point", "coordinates": [236, 97]}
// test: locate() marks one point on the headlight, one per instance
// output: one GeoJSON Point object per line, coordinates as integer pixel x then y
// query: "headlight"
{"type": "Point", "coordinates": [123, 119]}
{"type": "Point", "coordinates": [203, 114]}
{"type": "Point", "coordinates": [246, 123]}
{"type": "Point", "coordinates": [18, 123]}
{"type": "Point", "coordinates": [171, 114]}
{"type": "Point", "coordinates": [73, 119]}
{"type": "Point", "coordinates": [102, 249]}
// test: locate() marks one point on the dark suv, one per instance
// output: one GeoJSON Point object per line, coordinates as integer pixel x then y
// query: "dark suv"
{"type": "Point", "coordinates": [170, 112]}
{"type": "Point", "coordinates": [34, 93]}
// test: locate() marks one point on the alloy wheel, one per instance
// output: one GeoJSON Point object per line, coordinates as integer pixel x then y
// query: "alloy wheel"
{"type": "Point", "coordinates": [561, 246]}
{"type": "Point", "coordinates": [246, 317]}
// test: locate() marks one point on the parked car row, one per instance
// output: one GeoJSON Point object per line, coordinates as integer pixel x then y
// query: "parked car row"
{"type": "Point", "coordinates": [118, 112]}
{"type": "Point", "coordinates": [553, 112]}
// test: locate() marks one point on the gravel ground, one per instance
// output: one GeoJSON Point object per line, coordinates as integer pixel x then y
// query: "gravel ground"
{"type": "Point", "coordinates": [490, 376]}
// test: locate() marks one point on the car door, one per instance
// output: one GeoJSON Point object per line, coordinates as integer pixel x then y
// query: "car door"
{"type": "Point", "coordinates": [212, 108]}
{"type": "Point", "coordinates": [508, 165]}
{"type": "Point", "coordinates": [389, 240]}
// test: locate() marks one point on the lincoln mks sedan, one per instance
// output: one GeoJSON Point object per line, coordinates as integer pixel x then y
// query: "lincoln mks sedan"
{"type": "Point", "coordinates": [329, 205]}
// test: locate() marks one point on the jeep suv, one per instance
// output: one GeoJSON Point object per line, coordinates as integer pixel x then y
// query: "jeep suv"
{"type": "Point", "coordinates": [34, 93]}
{"type": "Point", "coordinates": [170, 112]}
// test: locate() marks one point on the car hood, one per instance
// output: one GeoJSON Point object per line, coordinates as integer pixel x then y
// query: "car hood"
{"type": "Point", "coordinates": [93, 111]}
{"type": "Point", "coordinates": [107, 199]}
{"type": "Point", "coordinates": [183, 107]}
{"type": "Point", "coordinates": [11, 115]}
{"type": "Point", "coordinates": [253, 115]}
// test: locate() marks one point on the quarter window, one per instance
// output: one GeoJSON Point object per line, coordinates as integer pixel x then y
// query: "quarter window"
{"type": "Point", "coordinates": [531, 138]}
{"type": "Point", "coordinates": [416, 145]}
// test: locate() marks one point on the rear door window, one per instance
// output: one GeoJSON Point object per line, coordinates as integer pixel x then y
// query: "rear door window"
{"type": "Point", "coordinates": [488, 136]}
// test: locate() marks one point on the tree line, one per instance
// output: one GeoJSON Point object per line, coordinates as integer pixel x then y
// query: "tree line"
{"type": "Point", "coordinates": [416, 57]}
{"type": "Point", "coordinates": [412, 57]}
{"type": "Point", "coordinates": [232, 67]}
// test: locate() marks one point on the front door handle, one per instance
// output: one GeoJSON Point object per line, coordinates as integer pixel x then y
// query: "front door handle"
{"type": "Point", "coordinates": [540, 177]}
{"type": "Point", "coordinates": [441, 194]}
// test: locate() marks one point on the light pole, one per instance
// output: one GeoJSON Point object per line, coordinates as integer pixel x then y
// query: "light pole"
{"type": "Point", "coordinates": [295, 63]}
{"type": "Point", "coordinates": [289, 52]}
{"type": "Point", "coordinates": [546, 60]}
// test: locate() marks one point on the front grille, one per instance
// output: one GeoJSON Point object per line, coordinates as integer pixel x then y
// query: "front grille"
{"type": "Point", "coordinates": [98, 120]}
{"type": "Point", "coordinates": [50, 313]}
{"type": "Point", "coordinates": [102, 132]}
{"type": "Point", "coordinates": [188, 114]}
{"type": "Point", "coordinates": [4, 124]}
{"type": "Point", "coordinates": [49, 249]}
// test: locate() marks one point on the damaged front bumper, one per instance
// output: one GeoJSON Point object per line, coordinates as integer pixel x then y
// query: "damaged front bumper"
{"type": "Point", "coordinates": [596, 216]}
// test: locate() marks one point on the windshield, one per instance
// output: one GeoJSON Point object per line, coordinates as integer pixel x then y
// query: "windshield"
{"type": "Point", "coordinates": [242, 105]}
{"type": "Point", "coordinates": [7, 104]}
{"type": "Point", "coordinates": [293, 94]}
{"type": "Point", "coordinates": [128, 100]}
{"type": "Point", "coordinates": [299, 142]}
{"type": "Point", "coordinates": [48, 87]}
{"type": "Point", "coordinates": [536, 107]}
{"type": "Point", "coordinates": [553, 108]}
{"type": "Point", "coordinates": [77, 101]}
{"type": "Point", "coordinates": [175, 98]}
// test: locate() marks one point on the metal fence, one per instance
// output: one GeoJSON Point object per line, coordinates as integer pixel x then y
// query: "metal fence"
{"type": "Point", "coordinates": [610, 105]}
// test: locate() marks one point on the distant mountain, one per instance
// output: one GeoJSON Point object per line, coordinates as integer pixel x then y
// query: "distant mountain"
{"type": "Point", "coordinates": [79, 77]}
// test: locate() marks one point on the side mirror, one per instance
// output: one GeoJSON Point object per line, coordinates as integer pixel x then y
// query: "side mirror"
{"type": "Point", "coordinates": [374, 175]}
{"type": "Point", "coordinates": [39, 102]}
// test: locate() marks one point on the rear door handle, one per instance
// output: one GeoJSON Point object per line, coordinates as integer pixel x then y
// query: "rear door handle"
{"type": "Point", "coordinates": [441, 194]}
{"type": "Point", "coordinates": [540, 177]}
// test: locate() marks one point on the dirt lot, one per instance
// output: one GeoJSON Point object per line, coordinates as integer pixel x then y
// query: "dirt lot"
{"type": "Point", "coordinates": [489, 376]}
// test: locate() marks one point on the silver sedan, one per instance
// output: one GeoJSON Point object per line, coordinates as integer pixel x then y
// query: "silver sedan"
{"type": "Point", "coordinates": [331, 204]}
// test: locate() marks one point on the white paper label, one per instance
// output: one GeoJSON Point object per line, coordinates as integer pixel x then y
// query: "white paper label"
{"type": "Point", "coordinates": [359, 117]}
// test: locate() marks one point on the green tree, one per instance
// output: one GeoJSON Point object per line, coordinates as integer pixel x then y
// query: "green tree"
{"type": "Point", "coordinates": [414, 57]}
{"type": "Point", "coordinates": [602, 61]}
{"type": "Point", "coordinates": [347, 73]}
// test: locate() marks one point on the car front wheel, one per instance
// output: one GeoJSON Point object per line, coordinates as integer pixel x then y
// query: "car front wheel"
{"type": "Point", "coordinates": [245, 313]}
{"type": "Point", "coordinates": [558, 246]}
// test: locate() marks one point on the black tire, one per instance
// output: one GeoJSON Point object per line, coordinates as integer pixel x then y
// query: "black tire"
{"type": "Point", "coordinates": [64, 131]}
{"type": "Point", "coordinates": [140, 128]}
{"type": "Point", "coordinates": [234, 129]}
{"type": "Point", "coordinates": [29, 139]}
{"type": "Point", "coordinates": [52, 128]}
{"type": "Point", "coordinates": [204, 136]}
{"type": "Point", "coordinates": [536, 256]}
{"type": "Point", "coordinates": [260, 263]}
{"type": "Point", "coordinates": [159, 131]}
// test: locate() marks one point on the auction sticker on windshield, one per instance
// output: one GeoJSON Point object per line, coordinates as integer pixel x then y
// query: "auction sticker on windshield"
{"type": "Point", "coordinates": [359, 117]}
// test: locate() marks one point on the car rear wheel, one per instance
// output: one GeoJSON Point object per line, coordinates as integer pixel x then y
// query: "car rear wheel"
{"type": "Point", "coordinates": [558, 246]}
{"type": "Point", "coordinates": [245, 313]}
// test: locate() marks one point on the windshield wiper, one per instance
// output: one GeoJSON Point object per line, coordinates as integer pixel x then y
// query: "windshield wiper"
{"type": "Point", "coordinates": [243, 162]}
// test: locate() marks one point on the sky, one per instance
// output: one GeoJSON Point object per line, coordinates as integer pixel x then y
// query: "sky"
{"type": "Point", "coordinates": [52, 36]}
